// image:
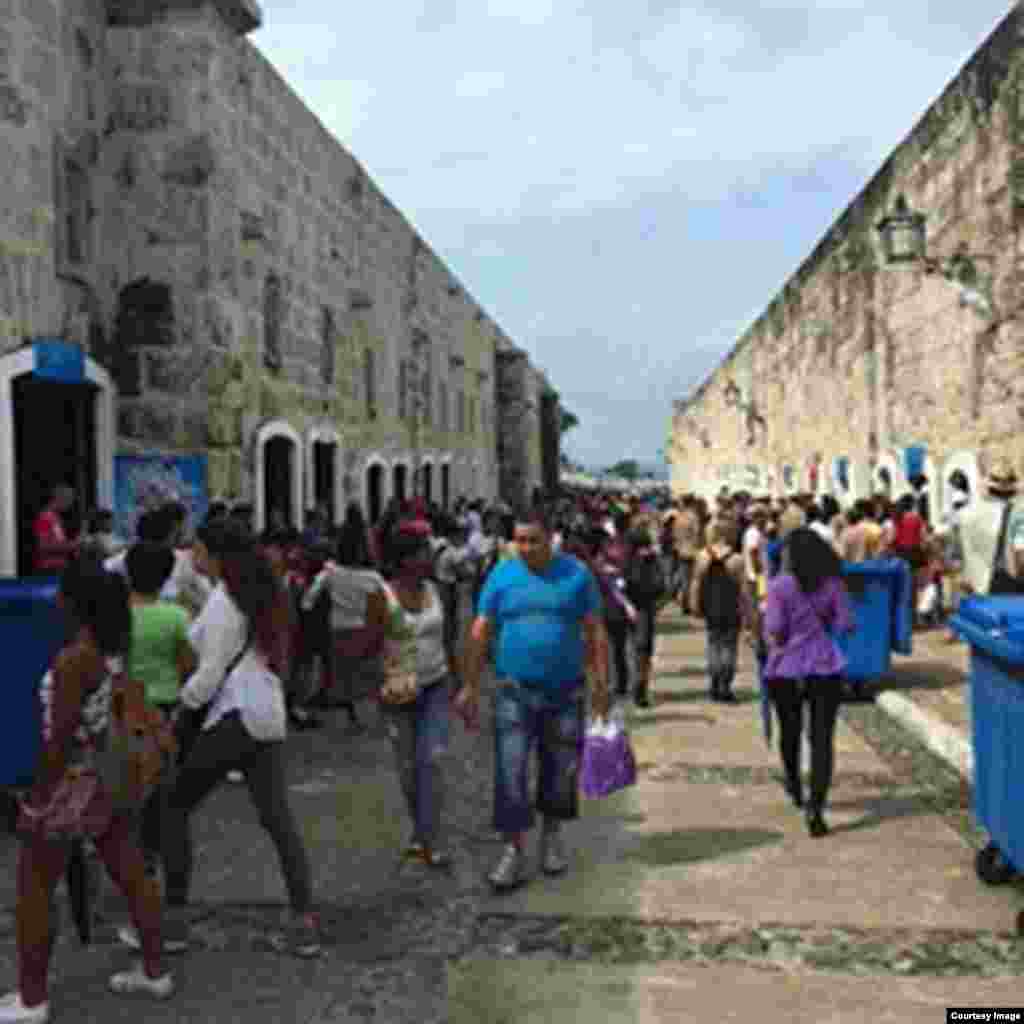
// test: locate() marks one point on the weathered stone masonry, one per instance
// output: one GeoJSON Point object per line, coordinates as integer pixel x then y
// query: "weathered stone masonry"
{"type": "Point", "coordinates": [853, 363]}
{"type": "Point", "coordinates": [171, 206]}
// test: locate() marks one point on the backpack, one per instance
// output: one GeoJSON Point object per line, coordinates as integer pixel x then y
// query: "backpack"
{"type": "Point", "coordinates": [140, 746]}
{"type": "Point", "coordinates": [720, 596]}
{"type": "Point", "coordinates": [645, 579]}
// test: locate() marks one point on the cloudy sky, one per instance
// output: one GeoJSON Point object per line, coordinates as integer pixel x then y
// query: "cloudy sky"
{"type": "Point", "coordinates": [622, 186]}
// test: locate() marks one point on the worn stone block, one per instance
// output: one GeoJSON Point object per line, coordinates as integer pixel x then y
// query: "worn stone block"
{"type": "Point", "coordinates": [191, 164]}
{"type": "Point", "coordinates": [13, 105]}
{"type": "Point", "coordinates": [223, 426]}
{"type": "Point", "coordinates": [195, 429]}
{"type": "Point", "coordinates": [163, 372]}
{"type": "Point", "coordinates": [44, 20]}
{"type": "Point", "coordinates": [39, 71]}
{"type": "Point", "coordinates": [140, 107]}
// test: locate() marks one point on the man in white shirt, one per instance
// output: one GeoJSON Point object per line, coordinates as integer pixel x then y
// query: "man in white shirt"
{"type": "Point", "coordinates": [752, 539]}
{"type": "Point", "coordinates": [990, 535]}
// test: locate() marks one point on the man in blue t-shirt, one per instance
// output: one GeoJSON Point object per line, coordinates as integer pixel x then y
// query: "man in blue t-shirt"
{"type": "Point", "coordinates": [543, 612]}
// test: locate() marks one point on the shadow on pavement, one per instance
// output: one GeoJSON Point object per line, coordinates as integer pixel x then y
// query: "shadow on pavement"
{"type": "Point", "coordinates": [922, 675]}
{"type": "Point", "coordinates": [662, 849]}
{"type": "Point", "coordinates": [879, 809]}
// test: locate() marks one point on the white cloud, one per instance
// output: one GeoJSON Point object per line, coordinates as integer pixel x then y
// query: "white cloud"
{"type": "Point", "coordinates": [618, 165]}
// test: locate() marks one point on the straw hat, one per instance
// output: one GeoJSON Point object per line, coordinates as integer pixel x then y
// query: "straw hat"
{"type": "Point", "coordinates": [1002, 477]}
{"type": "Point", "coordinates": [792, 519]}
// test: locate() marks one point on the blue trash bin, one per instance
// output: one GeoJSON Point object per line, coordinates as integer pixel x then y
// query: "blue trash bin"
{"type": "Point", "coordinates": [994, 627]}
{"type": "Point", "coordinates": [32, 630]}
{"type": "Point", "coordinates": [880, 595]}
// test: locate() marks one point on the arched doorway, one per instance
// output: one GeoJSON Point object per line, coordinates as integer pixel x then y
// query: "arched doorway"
{"type": "Point", "coordinates": [428, 481]}
{"type": "Point", "coordinates": [375, 492]}
{"type": "Point", "coordinates": [325, 490]}
{"type": "Point", "coordinates": [399, 481]}
{"type": "Point", "coordinates": [279, 474]}
{"type": "Point", "coordinates": [446, 485]}
{"type": "Point", "coordinates": [961, 482]}
{"type": "Point", "coordinates": [51, 390]}
{"type": "Point", "coordinates": [278, 469]}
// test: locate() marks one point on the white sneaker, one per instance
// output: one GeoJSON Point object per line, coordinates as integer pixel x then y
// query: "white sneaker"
{"type": "Point", "coordinates": [235, 776]}
{"type": "Point", "coordinates": [509, 872]}
{"type": "Point", "coordinates": [12, 1009]}
{"type": "Point", "coordinates": [136, 980]}
{"type": "Point", "coordinates": [129, 936]}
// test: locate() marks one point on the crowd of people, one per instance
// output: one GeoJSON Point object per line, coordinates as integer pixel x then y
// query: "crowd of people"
{"type": "Point", "coordinates": [234, 637]}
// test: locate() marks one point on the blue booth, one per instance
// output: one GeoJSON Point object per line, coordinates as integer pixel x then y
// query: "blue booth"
{"type": "Point", "coordinates": [32, 631]}
{"type": "Point", "coordinates": [994, 627]}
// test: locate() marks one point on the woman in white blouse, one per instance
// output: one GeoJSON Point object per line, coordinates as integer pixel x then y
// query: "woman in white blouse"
{"type": "Point", "coordinates": [241, 642]}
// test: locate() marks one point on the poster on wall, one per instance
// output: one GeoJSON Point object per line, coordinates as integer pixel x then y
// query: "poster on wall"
{"type": "Point", "coordinates": [143, 482]}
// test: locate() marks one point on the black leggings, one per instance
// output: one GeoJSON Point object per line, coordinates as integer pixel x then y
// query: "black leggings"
{"type": "Point", "coordinates": [217, 750]}
{"type": "Point", "coordinates": [618, 638]}
{"type": "Point", "coordinates": [823, 697]}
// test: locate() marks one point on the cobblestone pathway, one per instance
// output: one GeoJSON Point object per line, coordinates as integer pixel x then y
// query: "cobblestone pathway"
{"type": "Point", "coordinates": [396, 934]}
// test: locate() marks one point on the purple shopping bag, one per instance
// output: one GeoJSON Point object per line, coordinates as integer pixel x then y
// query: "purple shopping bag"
{"type": "Point", "coordinates": [608, 763]}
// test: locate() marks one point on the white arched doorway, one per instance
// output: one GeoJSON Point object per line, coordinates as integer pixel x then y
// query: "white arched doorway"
{"type": "Point", "coordinates": [841, 480]}
{"type": "Point", "coordinates": [58, 403]}
{"type": "Point", "coordinates": [446, 482]}
{"type": "Point", "coordinates": [323, 470]}
{"type": "Point", "coordinates": [427, 487]}
{"type": "Point", "coordinates": [376, 490]}
{"type": "Point", "coordinates": [401, 479]}
{"type": "Point", "coordinates": [932, 491]}
{"type": "Point", "coordinates": [964, 462]}
{"type": "Point", "coordinates": [278, 473]}
{"type": "Point", "coordinates": [888, 478]}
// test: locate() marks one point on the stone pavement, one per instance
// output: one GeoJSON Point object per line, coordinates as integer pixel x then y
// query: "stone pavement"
{"type": "Point", "coordinates": [694, 895]}
{"type": "Point", "coordinates": [698, 895]}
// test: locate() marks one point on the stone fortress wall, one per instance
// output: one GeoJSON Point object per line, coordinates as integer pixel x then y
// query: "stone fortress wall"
{"type": "Point", "coordinates": [859, 373]}
{"type": "Point", "coordinates": [170, 205]}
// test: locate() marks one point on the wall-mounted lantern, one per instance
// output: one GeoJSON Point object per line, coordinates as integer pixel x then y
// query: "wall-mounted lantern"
{"type": "Point", "coordinates": [904, 241]}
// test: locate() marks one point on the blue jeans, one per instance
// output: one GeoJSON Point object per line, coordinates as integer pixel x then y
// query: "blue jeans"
{"type": "Point", "coordinates": [723, 651]}
{"type": "Point", "coordinates": [419, 735]}
{"type": "Point", "coordinates": [525, 718]}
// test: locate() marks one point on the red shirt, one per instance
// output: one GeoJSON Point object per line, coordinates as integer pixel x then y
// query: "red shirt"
{"type": "Point", "coordinates": [48, 530]}
{"type": "Point", "coordinates": [909, 532]}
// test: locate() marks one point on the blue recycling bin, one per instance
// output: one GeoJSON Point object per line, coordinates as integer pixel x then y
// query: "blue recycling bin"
{"type": "Point", "coordinates": [994, 627]}
{"type": "Point", "coordinates": [32, 630]}
{"type": "Point", "coordinates": [880, 595]}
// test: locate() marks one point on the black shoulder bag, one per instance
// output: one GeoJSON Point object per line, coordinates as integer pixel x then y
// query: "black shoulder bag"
{"type": "Point", "coordinates": [190, 721]}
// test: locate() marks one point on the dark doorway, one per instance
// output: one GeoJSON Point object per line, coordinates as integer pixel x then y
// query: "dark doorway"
{"type": "Point", "coordinates": [446, 485]}
{"type": "Point", "coordinates": [324, 455]}
{"type": "Point", "coordinates": [428, 482]}
{"type": "Point", "coordinates": [278, 470]}
{"type": "Point", "coordinates": [374, 495]}
{"type": "Point", "coordinates": [54, 443]}
{"type": "Point", "coordinates": [398, 478]}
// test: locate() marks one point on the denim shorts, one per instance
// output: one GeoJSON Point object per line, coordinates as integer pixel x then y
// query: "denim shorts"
{"type": "Point", "coordinates": [528, 718]}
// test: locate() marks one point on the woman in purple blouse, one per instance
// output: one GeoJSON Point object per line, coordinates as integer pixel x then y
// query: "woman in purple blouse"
{"type": "Point", "coordinates": [804, 664]}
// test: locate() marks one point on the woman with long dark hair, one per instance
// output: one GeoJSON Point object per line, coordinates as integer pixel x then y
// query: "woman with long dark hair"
{"type": "Point", "coordinates": [241, 640]}
{"type": "Point", "coordinates": [805, 602]}
{"type": "Point", "coordinates": [357, 616]}
{"type": "Point", "coordinates": [76, 695]}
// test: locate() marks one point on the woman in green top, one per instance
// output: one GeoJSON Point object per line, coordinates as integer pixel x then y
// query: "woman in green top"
{"type": "Point", "coordinates": [160, 657]}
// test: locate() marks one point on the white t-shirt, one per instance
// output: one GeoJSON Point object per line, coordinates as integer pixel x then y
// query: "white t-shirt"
{"type": "Point", "coordinates": [751, 545]}
{"type": "Point", "coordinates": [823, 531]}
